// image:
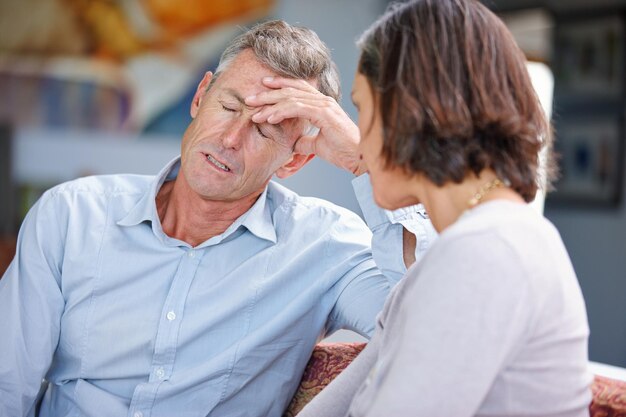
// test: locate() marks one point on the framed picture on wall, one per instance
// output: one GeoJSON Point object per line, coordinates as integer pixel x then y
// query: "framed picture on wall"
{"type": "Point", "coordinates": [590, 153]}
{"type": "Point", "coordinates": [589, 56]}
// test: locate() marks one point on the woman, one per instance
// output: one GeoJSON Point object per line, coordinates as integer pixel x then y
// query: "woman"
{"type": "Point", "coordinates": [492, 321]}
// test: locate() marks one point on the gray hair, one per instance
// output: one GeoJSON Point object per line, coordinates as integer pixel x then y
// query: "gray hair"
{"type": "Point", "coordinates": [290, 51]}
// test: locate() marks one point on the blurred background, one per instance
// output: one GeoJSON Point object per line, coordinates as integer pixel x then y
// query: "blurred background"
{"type": "Point", "coordinates": [104, 86]}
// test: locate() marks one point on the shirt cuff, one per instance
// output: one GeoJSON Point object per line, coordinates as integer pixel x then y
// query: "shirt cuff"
{"type": "Point", "coordinates": [376, 216]}
{"type": "Point", "coordinates": [412, 218]}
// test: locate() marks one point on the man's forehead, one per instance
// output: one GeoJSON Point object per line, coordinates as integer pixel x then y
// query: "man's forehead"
{"type": "Point", "coordinates": [231, 93]}
{"type": "Point", "coordinates": [247, 65]}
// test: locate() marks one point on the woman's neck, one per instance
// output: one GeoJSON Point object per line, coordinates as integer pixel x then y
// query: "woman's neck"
{"type": "Point", "coordinates": [446, 204]}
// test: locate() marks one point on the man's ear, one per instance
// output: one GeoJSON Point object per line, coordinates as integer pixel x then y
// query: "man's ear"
{"type": "Point", "coordinates": [297, 161]}
{"type": "Point", "coordinates": [200, 92]}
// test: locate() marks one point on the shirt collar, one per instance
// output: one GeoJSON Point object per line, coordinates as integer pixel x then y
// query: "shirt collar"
{"type": "Point", "coordinates": [258, 219]}
{"type": "Point", "coordinates": [145, 209]}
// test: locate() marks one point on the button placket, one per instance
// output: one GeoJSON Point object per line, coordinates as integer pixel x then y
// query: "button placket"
{"type": "Point", "coordinates": [165, 346]}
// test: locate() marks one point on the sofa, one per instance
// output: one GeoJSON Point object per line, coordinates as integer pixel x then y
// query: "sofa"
{"type": "Point", "coordinates": [7, 251]}
{"type": "Point", "coordinates": [328, 360]}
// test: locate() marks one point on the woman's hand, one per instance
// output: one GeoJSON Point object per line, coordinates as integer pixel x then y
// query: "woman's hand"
{"type": "Point", "coordinates": [336, 138]}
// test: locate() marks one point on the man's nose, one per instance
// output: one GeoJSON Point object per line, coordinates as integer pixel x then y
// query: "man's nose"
{"type": "Point", "coordinates": [235, 134]}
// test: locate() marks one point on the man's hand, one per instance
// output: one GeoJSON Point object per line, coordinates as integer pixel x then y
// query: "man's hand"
{"type": "Point", "coordinates": [338, 137]}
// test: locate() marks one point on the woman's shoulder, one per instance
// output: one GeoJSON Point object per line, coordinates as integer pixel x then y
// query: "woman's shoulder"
{"type": "Point", "coordinates": [498, 242]}
{"type": "Point", "coordinates": [504, 246]}
{"type": "Point", "coordinates": [501, 215]}
{"type": "Point", "coordinates": [519, 228]}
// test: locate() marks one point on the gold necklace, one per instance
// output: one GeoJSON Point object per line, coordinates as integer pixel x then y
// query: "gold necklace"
{"type": "Point", "coordinates": [483, 190]}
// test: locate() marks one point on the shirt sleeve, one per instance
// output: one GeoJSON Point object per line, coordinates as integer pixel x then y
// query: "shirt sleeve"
{"type": "Point", "coordinates": [387, 226]}
{"type": "Point", "coordinates": [31, 305]}
{"type": "Point", "coordinates": [372, 262]}
{"type": "Point", "coordinates": [359, 289]}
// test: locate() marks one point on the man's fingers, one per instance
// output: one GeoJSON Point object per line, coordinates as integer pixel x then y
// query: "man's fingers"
{"type": "Point", "coordinates": [282, 89]}
{"type": "Point", "coordinates": [283, 94]}
{"type": "Point", "coordinates": [301, 109]}
{"type": "Point", "coordinates": [282, 82]}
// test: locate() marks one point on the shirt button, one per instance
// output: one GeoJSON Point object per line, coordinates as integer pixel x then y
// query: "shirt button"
{"type": "Point", "coordinates": [171, 316]}
{"type": "Point", "coordinates": [191, 254]}
{"type": "Point", "coordinates": [160, 373]}
{"type": "Point", "coordinates": [138, 414]}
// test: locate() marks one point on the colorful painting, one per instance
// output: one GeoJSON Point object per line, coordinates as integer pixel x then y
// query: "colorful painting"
{"type": "Point", "coordinates": [110, 64]}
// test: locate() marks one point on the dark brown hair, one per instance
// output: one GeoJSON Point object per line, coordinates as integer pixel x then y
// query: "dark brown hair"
{"type": "Point", "coordinates": [454, 94]}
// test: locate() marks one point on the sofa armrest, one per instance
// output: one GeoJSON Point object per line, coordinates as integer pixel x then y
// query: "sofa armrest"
{"type": "Point", "coordinates": [609, 398]}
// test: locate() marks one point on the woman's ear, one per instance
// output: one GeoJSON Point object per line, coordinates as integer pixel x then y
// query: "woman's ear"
{"type": "Point", "coordinates": [200, 92]}
{"type": "Point", "coordinates": [297, 161]}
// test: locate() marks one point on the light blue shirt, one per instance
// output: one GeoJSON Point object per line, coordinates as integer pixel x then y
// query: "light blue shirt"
{"type": "Point", "coordinates": [123, 320]}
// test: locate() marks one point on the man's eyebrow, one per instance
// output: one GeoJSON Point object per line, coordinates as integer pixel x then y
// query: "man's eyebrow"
{"type": "Point", "coordinates": [235, 94]}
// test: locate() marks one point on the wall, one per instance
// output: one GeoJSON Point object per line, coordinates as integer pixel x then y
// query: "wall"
{"type": "Point", "coordinates": [596, 241]}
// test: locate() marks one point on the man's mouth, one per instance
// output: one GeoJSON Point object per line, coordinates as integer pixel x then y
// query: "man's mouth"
{"type": "Point", "coordinates": [217, 163]}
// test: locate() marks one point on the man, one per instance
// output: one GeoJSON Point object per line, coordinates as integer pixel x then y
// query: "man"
{"type": "Point", "coordinates": [203, 290]}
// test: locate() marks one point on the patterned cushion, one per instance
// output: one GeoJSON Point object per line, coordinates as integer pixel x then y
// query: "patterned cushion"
{"type": "Point", "coordinates": [609, 398]}
{"type": "Point", "coordinates": [7, 251]}
{"type": "Point", "coordinates": [328, 360]}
